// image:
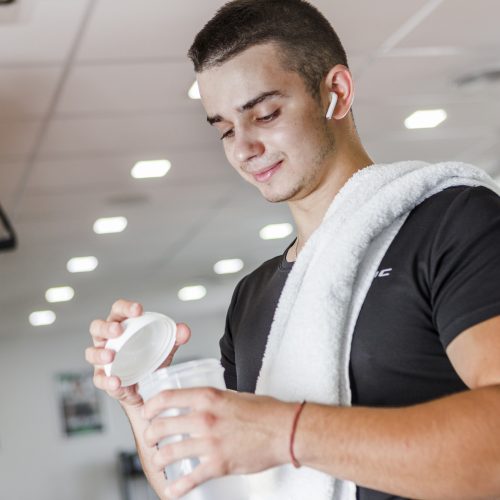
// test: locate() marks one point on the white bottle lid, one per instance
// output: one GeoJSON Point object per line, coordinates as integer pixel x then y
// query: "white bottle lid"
{"type": "Point", "coordinates": [143, 346]}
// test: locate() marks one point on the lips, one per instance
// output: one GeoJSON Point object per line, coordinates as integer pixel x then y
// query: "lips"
{"type": "Point", "coordinates": [265, 174]}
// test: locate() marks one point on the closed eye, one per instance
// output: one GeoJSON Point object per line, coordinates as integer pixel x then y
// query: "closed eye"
{"type": "Point", "coordinates": [226, 134]}
{"type": "Point", "coordinates": [270, 117]}
{"type": "Point", "coordinates": [262, 119]}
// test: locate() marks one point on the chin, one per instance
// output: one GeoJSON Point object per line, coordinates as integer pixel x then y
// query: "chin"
{"type": "Point", "coordinates": [276, 197]}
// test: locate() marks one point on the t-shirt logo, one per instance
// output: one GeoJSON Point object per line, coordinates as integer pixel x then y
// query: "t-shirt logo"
{"type": "Point", "coordinates": [383, 273]}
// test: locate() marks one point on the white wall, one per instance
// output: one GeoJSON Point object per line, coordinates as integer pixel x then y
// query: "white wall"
{"type": "Point", "coordinates": [36, 460]}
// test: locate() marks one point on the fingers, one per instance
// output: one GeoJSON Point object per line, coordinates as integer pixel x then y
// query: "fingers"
{"type": "Point", "coordinates": [187, 448]}
{"type": "Point", "coordinates": [97, 356]}
{"type": "Point", "coordinates": [102, 331]}
{"type": "Point", "coordinates": [109, 384]}
{"type": "Point", "coordinates": [112, 385]}
{"type": "Point", "coordinates": [198, 399]}
{"type": "Point", "coordinates": [194, 424]}
{"type": "Point", "coordinates": [123, 309]}
{"type": "Point", "coordinates": [202, 473]}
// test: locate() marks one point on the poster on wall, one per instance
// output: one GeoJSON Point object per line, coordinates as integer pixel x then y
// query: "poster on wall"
{"type": "Point", "coordinates": [79, 404]}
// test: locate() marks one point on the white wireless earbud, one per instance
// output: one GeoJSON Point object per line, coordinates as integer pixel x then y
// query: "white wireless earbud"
{"type": "Point", "coordinates": [331, 108]}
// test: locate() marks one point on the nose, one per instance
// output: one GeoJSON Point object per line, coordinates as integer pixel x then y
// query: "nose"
{"type": "Point", "coordinates": [247, 146]}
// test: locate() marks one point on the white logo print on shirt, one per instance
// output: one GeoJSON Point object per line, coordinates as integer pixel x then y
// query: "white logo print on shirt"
{"type": "Point", "coordinates": [383, 273]}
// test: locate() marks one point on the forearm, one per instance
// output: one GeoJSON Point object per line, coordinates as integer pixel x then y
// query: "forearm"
{"type": "Point", "coordinates": [138, 424]}
{"type": "Point", "coordinates": [448, 448]}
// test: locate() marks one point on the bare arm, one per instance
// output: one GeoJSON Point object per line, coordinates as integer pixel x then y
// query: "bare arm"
{"type": "Point", "coordinates": [444, 449]}
{"type": "Point", "coordinates": [448, 448]}
{"type": "Point", "coordinates": [128, 397]}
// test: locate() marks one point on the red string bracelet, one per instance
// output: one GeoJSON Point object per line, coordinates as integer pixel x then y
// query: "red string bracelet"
{"type": "Point", "coordinates": [298, 411]}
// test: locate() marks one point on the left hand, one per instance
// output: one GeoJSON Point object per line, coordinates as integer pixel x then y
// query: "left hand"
{"type": "Point", "coordinates": [230, 433]}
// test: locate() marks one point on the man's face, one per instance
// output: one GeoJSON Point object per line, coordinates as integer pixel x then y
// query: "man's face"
{"type": "Point", "coordinates": [273, 131]}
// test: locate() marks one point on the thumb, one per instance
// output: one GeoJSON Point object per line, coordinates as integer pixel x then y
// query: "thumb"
{"type": "Point", "coordinates": [183, 334]}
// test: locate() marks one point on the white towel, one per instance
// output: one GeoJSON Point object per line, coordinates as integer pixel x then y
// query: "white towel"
{"type": "Point", "coordinates": [308, 349]}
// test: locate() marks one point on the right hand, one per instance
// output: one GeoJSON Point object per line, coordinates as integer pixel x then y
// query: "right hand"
{"type": "Point", "coordinates": [98, 356]}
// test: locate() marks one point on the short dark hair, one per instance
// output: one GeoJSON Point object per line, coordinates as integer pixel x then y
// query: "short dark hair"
{"type": "Point", "coordinates": [310, 45]}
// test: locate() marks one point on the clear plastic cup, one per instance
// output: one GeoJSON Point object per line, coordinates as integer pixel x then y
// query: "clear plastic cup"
{"type": "Point", "coordinates": [200, 373]}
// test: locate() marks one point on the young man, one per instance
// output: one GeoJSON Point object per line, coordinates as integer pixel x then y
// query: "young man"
{"type": "Point", "coordinates": [424, 363]}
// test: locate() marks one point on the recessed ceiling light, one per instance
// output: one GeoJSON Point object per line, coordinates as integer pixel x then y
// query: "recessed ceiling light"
{"type": "Point", "coordinates": [228, 266]}
{"type": "Point", "coordinates": [194, 91]}
{"type": "Point", "coordinates": [81, 264]}
{"type": "Point", "coordinates": [150, 169]}
{"type": "Point", "coordinates": [59, 294]}
{"type": "Point", "coordinates": [192, 293]}
{"type": "Point", "coordinates": [425, 118]}
{"type": "Point", "coordinates": [42, 318]}
{"type": "Point", "coordinates": [110, 225]}
{"type": "Point", "coordinates": [276, 231]}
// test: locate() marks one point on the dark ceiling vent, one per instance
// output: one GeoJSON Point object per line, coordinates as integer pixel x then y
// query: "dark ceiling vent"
{"type": "Point", "coordinates": [128, 199]}
{"type": "Point", "coordinates": [480, 78]}
{"type": "Point", "coordinates": [13, 12]}
{"type": "Point", "coordinates": [8, 240]}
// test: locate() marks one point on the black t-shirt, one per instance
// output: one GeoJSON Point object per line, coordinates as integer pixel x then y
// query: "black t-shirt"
{"type": "Point", "coordinates": [439, 276]}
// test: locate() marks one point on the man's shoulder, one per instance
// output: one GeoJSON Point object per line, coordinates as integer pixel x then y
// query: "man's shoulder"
{"type": "Point", "coordinates": [454, 216]}
{"type": "Point", "coordinates": [456, 219]}
{"type": "Point", "coordinates": [469, 201]}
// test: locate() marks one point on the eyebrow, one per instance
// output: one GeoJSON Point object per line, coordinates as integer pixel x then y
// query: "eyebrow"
{"type": "Point", "coordinates": [248, 105]}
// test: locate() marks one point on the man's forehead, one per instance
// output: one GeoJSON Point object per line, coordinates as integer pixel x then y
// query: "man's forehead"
{"type": "Point", "coordinates": [237, 90]}
{"type": "Point", "coordinates": [255, 69]}
{"type": "Point", "coordinates": [237, 84]}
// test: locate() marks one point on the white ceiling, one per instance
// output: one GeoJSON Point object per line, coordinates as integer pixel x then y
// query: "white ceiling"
{"type": "Point", "coordinates": [89, 87]}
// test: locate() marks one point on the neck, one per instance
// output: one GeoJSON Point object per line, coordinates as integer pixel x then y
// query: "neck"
{"type": "Point", "coordinates": [308, 212]}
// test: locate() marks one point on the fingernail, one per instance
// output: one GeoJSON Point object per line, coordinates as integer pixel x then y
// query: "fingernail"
{"type": "Point", "coordinates": [116, 328]}
{"type": "Point", "coordinates": [135, 308]}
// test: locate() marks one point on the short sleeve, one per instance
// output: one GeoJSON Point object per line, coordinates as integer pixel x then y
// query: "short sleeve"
{"type": "Point", "coordinates": [227, 346]}
{"type": "Point", "coordinates": [465, 263]}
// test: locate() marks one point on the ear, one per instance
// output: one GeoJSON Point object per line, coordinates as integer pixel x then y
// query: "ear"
{"type": "Point", "coordinates": [339, 80]}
